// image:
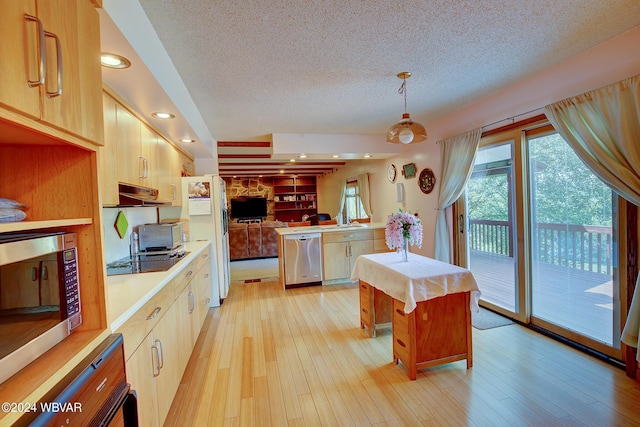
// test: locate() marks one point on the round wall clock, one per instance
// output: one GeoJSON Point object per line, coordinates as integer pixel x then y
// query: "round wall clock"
{"type": "Point", "coordinates": [426, 180]}
{"type": "Point", "coordinates": [392, 173]}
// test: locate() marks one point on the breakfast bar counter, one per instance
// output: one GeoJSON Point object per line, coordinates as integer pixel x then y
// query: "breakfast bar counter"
{"type": "Point", "coordinates": [428, 302]}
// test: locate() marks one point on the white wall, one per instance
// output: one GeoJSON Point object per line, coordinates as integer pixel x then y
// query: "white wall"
{"type": "Point", "coordinates": [117, 248]}
{"type": "Point", "coordinates": [604, 64]}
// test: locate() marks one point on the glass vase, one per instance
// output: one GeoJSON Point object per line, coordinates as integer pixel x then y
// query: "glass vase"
{"type": "Point", "coordinates": [404, 251]}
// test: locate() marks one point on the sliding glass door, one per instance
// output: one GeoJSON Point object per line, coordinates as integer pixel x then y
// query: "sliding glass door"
{"type": "Point", "coordinates": [539, 232]}
{"type": "Point", "coordinates": [573, 243]}
{"type": "Point", "coordinates": [490, 223]}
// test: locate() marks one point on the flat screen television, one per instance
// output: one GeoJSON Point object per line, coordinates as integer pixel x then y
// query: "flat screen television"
{"type": "Point", "coordinates": [248, 207]}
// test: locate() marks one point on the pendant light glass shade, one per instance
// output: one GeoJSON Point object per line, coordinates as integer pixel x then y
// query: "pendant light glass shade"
{"type": "Point", "coordinates": [406, 131]}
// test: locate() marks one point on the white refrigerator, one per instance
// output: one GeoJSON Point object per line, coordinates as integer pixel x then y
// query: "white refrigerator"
{"type": "Point", "coordinates": [204, 204]}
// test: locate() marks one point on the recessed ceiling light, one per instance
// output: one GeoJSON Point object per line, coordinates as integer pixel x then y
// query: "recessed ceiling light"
{"type": "Point", "coordinates": [303, 156]}
{"type": "Point", "coordinates": [161, 115]}
{"type": "Point", "coordinates": [335, 156]}
{"type": "Point", "coordinates": [292, 160]}
{"type": "Point", "coordinates": [367, 155]}
{"type": "Point", "coordinates": [281, 170]}
{"type": "Point", "coordinates": [111, 60]}
{"type": "Point", "coordinates": [187, 140]}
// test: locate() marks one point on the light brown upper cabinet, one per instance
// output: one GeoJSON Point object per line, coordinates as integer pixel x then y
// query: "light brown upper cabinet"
{"type": "Point", "coordinates": [50, 62]}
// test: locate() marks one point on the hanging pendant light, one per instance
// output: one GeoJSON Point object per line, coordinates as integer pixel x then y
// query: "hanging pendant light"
{"type": "Point", "coordinates": [406, 131]}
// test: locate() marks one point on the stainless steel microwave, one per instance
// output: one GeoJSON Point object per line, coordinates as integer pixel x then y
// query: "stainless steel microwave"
{"type": "Point", "coordinates": [39, 296]}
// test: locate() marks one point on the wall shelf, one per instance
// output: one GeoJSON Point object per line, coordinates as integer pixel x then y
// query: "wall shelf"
{"type": "Point", "coordinates": [294, 197]}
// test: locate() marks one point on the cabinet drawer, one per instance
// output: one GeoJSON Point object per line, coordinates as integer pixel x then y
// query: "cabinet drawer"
{"type": "Point", "coordinates": [365, 304]}
{"type": "Point", "coordinates": [203, 257]}
{"type": "Point", "coordinates": [181, 280]}
{"type": "Point", "coordinates": [140, 324]}
{"type": "Point", "coordinates": [365, 289]}
{"type": "Point", "coordinates": [402, 347]}
{"type": "Point", "coordinates": [400, 318]}
{"type": "Point", "coordinates": [346, 236]}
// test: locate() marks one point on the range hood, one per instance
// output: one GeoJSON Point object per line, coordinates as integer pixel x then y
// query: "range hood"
{"type": "Point", "coordinates": [135, 195]}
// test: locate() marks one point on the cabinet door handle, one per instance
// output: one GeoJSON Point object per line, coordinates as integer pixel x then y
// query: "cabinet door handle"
{"type": "Point", "coordinates": [401, 343]}
{"type": "Point", "coordinates": [44, 273]}
{"type": "Point", "coordinates": [146, 168]}
{"type": "Point", "coordinates": [154, 313]}
{"type": "Point", "coordinates": [42, 67]}
{"type": "Point", "coordinates": [175, 191]}
{"type": "Point", "coordinates": [34, 274]}
{"type": "Point", "coordinates": [400, 312]}
{"type": "Point", "coordinates": [364, 310]}
{"type": "Point", "coordinates": [155, 366]}
{"type": "Point", "coordinates": [59, 62]}
{"type": "Point", "coordinates": [160, 354]}
{"type": "Point", "coordinates": [141, 161]}
{"type": "Point", "coordinates": [192, 302]}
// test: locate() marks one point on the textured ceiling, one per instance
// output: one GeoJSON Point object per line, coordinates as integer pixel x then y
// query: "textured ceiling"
{"type": "Point", "coordinates": [256, 68]}
{"type": "Point", "coordinates": [289, 66]}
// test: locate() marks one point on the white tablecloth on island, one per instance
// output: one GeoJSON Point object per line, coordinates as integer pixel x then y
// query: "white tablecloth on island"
{"type": "Point", "coordinates": [418, 279]}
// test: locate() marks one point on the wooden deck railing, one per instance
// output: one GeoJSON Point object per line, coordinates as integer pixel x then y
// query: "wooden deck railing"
{"type": "Point", "coordinates": [585, 247]}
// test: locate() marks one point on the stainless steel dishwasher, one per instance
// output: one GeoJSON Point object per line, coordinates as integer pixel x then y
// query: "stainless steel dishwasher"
{"type": "Point", "coordinates": [302, 259]}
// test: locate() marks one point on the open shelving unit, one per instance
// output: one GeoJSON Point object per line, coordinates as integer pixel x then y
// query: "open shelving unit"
{"type": "Point", "coordinates": [294, 197]}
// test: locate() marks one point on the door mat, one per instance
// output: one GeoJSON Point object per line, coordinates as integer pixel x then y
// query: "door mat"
{"type": "Point", "coordinates": [487, 319]}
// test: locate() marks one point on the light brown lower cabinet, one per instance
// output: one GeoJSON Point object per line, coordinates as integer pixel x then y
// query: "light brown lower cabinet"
{"type": "Point", "coordinates": [340, 250]}
{"type": "Point", "coordinates": [156, 366]}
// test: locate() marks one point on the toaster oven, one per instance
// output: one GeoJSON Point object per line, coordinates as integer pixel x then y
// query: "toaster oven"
{"type": "Point", "coordinates": [159, 237]}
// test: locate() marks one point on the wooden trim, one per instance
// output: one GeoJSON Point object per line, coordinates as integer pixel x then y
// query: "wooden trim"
{"type": "Point", "coordinates": [516, 125]}
{"type": "Point", "coordinates": [244, 156]}
{"type": "Point", "coordinates": [252, 144]}
{"type": "Point", "coordinates": [632, 275]}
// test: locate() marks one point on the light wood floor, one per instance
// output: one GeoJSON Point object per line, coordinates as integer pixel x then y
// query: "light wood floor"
{"type": "Point", "coordinates": [299, 358]}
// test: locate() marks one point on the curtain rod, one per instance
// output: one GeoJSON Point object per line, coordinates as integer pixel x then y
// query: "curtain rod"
{"type": "Point", "coordinates": [513, 118]}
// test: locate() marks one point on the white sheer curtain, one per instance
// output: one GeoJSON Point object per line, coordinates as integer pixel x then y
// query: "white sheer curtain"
{"type": "Point", "coordinates": [365, 193]}
{"type": "Point", "coordinates": [458, 154]}
{"type": "Point", "coordinates": [603, 128]}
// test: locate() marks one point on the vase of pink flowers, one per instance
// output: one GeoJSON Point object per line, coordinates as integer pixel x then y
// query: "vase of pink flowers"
{"type": "Point", "coordinates": [403, 229]}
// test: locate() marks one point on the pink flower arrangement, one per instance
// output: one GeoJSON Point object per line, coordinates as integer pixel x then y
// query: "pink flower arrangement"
{"type": "Point", "coordinates": [400, 226]}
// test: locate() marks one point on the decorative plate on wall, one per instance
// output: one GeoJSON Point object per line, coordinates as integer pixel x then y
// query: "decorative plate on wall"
{"type": "Point", "coordinates": [392, 173]}
{"type": "Point", "coordinates": [409, 170]}
{"type": "Point", "coordinates": [426, 180]}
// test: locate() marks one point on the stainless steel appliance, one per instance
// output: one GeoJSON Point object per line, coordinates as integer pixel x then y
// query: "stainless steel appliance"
{"type": "Point", "coordinates": [165, 236]}
{"type": "Point", "coordinates": [302, 259]}
{"type": "Point", "coordinates": [39, 289]}
{"type": "Point", "coordinates": [94, 393]}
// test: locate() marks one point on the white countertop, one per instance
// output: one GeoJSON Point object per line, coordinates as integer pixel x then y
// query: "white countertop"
{"type": "Point", "coordinates": [283, 231]}
{"type": "Point", "coordinates": [127, 293]}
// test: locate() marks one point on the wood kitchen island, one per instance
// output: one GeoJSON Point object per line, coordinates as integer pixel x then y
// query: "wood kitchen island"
{"type": "Point", "coordinates": [428, 302]}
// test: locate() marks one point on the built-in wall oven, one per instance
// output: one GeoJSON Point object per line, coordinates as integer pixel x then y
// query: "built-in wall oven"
{"type": "Point", "coordinates": [39, 296]}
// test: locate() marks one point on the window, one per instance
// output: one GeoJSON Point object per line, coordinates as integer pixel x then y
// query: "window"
{"type": "Point", "coordinates": [352, 204]}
